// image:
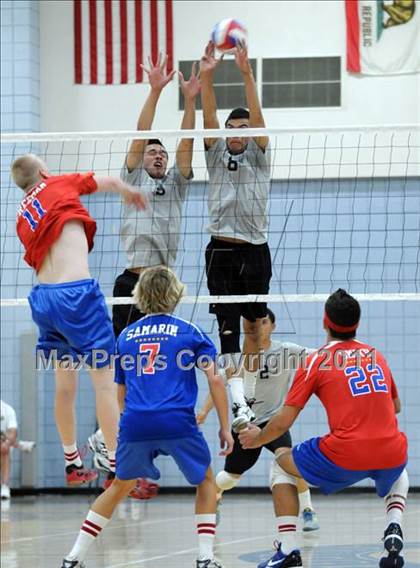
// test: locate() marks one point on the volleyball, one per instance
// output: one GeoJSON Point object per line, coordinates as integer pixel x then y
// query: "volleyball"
{"type": "Point", "coordinates": [228, 33]}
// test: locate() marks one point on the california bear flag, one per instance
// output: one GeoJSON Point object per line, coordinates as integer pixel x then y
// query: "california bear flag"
{"type": "Point", "coordinates": [383, 38]}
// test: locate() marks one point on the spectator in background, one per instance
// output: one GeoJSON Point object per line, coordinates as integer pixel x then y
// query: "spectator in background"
{"type": "Point", "coordinates": [9, 440]}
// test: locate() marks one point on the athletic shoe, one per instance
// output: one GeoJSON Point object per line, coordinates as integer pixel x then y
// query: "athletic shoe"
{"type": "Point", "coordinates": [144, 490]}
{"type": "Point", "coordinates": [209, 563]}
{"type": "Point", "coordinates": [310, 520]}
{"type": "Point", "coordinates": [281, 560]}
{"type": "Point", "coordinates": [242, 416]}
{"type": "Point", "coordinates": [73, 564]}
{"type": "Point", "coordinates": [393, 544]}
{"type": "Point", "coordinates": [5, 492]}
{"type": "Point", "coordinates": [25, 446]}
{"type": "Point", "coordinates": [79, 475]}
{"type": "Point", "coordinates": [96, 443]}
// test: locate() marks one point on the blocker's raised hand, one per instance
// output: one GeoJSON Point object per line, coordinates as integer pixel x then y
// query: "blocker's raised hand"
{"type": "Point", "coordinates": [190, 88]}
{"type": "Point", "coordinates": [241, 59]}
{"type": "Point", "coordinates": [209, 61]}
{"type": "Point", "coordinates": [158, 77]}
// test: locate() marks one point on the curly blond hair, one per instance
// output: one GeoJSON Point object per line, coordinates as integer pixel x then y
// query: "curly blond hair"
{"type": "Point", "coordinates": [158, 290]}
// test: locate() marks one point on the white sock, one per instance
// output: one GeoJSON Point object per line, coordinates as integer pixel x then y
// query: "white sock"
{"type": "Point", "coordinates": [90, 529]}
{"type": "Point", "coordinates": [71, 455]}
{"type": "Point", "coordinates": [305, 501]}
{"type": "Point", "coordinates": [236, 385]}
{"type": "Point", "coordinates": [206, 530]}
{"type": "Point", "coordinates": [250, 381]}
{"type": "Point", "coordinates": [111, 457]}
{"type": "Point", "coordinates": [395, 500]}
{"type": "Point", "coordinates": [287, 533]}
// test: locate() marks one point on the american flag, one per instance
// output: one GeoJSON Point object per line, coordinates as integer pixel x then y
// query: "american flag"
{"type": "Point", "coordinates": [113, 37]}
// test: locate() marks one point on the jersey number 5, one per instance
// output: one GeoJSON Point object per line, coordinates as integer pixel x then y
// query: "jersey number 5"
{"type": "Point", "coordinates": [151, 349]}
{"type": "Point", "coordinates": [40, 212]}
{"type": "Point", "coordinates": [363, 381]}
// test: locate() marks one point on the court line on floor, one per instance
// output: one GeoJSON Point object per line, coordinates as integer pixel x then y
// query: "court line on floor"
{"type": "Point", "coordinates": [181, 552]}
{"type": "Point", "coordinates": [74, 532]}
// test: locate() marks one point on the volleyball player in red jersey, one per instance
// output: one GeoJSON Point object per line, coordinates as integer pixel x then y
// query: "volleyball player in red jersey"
{"type": "Point", "coordinates": [67, 305]}
{"type": "Point", "coordinates": [356, 387]}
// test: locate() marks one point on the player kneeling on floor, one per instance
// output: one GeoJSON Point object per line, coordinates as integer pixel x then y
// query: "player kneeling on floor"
{"type": "Point", "coordinates": [265, 394]}
{"type": "Point", "coordinates": [364, 441]}
{"type": "Point", "coordinates": [158, 416]}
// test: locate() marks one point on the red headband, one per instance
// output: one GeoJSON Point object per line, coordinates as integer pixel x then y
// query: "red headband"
{"type": "Point", "coordinates": [339, 328]}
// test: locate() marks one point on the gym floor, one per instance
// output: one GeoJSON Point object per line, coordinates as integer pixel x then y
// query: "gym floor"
{"type": "Point", "coordinates": [36, 532]}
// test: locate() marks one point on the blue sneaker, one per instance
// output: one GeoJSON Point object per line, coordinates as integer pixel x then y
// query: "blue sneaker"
{"type": "Point", "coordinates": [281, 560]}
{"type": "Point", "coordinates": [310, 520]}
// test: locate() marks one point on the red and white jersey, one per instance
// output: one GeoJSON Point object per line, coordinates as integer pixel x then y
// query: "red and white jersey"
{"type": "Point", "coordinates": [356, 387]}
{"type": "Point", "coordinates": [45, 210]}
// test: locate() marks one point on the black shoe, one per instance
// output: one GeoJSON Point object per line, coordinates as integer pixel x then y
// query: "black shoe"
{"type": "Point", "coordinates": [72, 564]}
{"type": "Point", "coordinates": [393, 544]}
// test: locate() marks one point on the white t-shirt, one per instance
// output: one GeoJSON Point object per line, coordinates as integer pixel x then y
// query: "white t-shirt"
{"type": "Point", "coordinates": [8, 417]}
{"type": "Point", "coordinates": [273, 382]}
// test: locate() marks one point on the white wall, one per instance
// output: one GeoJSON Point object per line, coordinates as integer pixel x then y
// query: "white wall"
{"type": "Point", "coordinates": [276, 29]}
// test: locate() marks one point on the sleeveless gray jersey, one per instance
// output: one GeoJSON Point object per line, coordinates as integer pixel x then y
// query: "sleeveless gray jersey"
{"type": "Point", "coordinates": [273, 382]}
{"type": "Point", "coordinates": [151, 237]}
{"type": "Point", "coordinates": [238, 198]}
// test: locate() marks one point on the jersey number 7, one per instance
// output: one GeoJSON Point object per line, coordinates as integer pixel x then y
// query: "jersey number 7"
{"type": "Point", "coordinates": [151, 349]}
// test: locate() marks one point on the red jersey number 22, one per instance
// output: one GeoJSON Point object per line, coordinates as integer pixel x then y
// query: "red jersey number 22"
{"type": "Point", "coordinates": [151, 349]}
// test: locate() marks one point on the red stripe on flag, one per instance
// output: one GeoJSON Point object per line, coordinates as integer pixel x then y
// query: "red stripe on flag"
{"type": "Point", "coordinates": [78, 41]}
{"type": "Point", "coordinates": [139, 40]}
{"type": "Point", "coordinates": [108, 41]}
{"type": "Point", "coordinates": [124, 46]}
{"type": "Point", "coordinates": [353, 36]}
{"type": "Point", "coordinates": [169, 35]}
{"type": "Point", "coordinates": [93, 43]}
{"type": "Point", "coordinates": [154, 30]}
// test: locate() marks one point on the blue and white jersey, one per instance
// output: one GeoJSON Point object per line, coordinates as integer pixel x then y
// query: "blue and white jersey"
{"type": "Point", "coordinates": [158, 355]}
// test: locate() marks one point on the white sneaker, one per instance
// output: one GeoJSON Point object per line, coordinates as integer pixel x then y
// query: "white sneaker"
{"type": "Point", "coordinates": [96, 443]}
{"type": "Point", "coordinates": [5, 492]}
{"type": "Point", "coordinates": [25, 446]}
{"type": "Point", "coordinates": [242, 416]}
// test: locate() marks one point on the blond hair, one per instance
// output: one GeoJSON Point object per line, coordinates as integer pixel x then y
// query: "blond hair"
{"type": "Point", "coordinates": [158, 290]}
{"type": "Point", "coordinates": [26, 171]}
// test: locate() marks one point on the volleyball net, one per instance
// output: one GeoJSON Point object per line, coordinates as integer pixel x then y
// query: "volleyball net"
{"type": "Point", "coordinates": [344, 212]}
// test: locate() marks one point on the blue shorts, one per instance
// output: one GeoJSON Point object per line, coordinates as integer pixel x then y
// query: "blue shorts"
{"type": "Point", "coordinates": [73, 321]}
{"type": "Point", "coordinates": [191, 454]}
{"type": "Point", "coordinates": [319, 471]}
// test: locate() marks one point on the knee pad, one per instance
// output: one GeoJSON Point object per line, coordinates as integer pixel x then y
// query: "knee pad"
{"type": "Point", "coordinates": [229, 332]}
{"type": "Point", "coordinates": [226, 481]}
{"type": "Point", "coordinates": [279, 476]}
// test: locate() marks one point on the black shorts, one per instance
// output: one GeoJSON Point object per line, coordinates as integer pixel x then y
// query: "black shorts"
{"type": "Point", "coordinates": [124, 314]}
{"type": "Point", "coordinates": [241, 460]}
{"type": "Point", "coordinates": [238, 269]}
